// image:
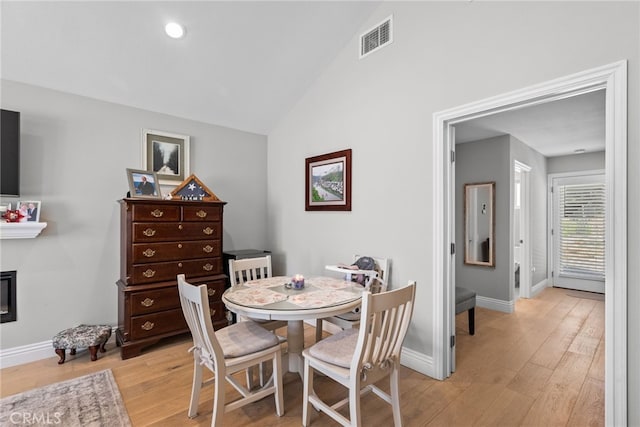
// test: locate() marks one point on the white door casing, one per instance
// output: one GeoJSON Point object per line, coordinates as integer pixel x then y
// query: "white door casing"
{"type": "Point", "coordinates": [612, 78]}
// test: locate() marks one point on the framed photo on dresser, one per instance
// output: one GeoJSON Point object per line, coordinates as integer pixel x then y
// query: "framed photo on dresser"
{"type": "Point", "coordinates": [143, 184]}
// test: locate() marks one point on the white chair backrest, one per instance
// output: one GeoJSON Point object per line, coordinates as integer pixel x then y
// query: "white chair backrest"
{"type": "Point", "coordinates": [195, 307]}
{"type": "Point", "coordinates": [243, 270]}
{"type": "Point", "coordinates": [383, 267]}
{"type": "Point", "coordinates": [384, 323]}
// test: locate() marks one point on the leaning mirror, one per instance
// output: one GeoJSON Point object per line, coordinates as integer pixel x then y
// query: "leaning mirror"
{"type": "Point", "coordinates": [479, 224]}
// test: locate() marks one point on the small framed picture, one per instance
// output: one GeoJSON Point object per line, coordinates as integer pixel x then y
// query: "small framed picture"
{"type": "Point", "coordinates": [166, 154]}
{"type": "Point", "coordinates": [328, 182]}
{"type": "Point", "coordinates": [30, 210]}
{"type": "Point", "coordinates": [143, 184]}
{"type": "Point", "coordinates": [4, 207]}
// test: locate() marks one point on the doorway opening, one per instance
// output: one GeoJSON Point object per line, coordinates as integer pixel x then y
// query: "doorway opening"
{"type": "Point", "coordinates": [612, 78]}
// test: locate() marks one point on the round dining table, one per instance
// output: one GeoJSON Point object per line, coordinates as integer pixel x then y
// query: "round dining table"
{"type": "Point", "coordinates": [274, 298]}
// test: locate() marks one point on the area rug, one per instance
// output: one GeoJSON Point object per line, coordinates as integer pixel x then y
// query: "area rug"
{"type": "Point", "coordinates": [89, 401]}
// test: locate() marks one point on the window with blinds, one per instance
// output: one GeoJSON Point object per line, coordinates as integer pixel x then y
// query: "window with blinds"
{"type": "Point", "coordinates": [582, 228]}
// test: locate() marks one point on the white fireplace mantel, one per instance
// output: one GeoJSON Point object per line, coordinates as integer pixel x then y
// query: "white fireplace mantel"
{"type": "Point", "coordinates": [21, 230]}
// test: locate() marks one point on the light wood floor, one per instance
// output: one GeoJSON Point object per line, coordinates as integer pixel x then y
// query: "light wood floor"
{"type": "Point", "coordinates": [542, 365]}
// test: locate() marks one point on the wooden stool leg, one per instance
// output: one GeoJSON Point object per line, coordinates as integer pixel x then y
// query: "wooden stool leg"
{"type": "Point", "coordinates": [94, 352]}
{"type": "Point", "coordinates": [103, 349]}
{"type": "Point", "coordinates": [62, 354]}
{"type": "Point", "coordinates": [472, 321]}
{"type": "Point", "coordinates": [72, 352]}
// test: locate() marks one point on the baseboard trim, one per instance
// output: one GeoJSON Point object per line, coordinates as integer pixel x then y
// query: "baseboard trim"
{"type": "Point", "coordinates": [495, 304]}
{"type": "Point", "coordinates": [26, 354]}
{"type": "Point", "coordinates": [417, 361]}
{"type": "Point", "coordinates": [32, 352]}
{"type": "Point", "coordinates": [538, 287]}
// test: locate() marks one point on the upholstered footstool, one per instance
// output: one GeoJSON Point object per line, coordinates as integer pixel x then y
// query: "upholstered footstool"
{"type": "Point", "coordinates": [93, 337]}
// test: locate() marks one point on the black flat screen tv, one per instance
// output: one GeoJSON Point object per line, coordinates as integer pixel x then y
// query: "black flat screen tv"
{"type": "Point", "coordinates": [10, 153]}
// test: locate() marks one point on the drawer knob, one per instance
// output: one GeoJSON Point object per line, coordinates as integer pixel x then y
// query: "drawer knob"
{"type": "Point", "coordinates": [147, 326]}
{"type": "Point", "coordinates": [208, 231]}
{"type": "Point", "coordinates": [147, 302]}
{"type": "Point", "coordinates": [149, 273]}
{"type": "Point", "coordinates": [157, 213]}
{"type": "Point", "coordinates": [180, 264]}
{"type": "Point", "coordinates": [149, 253]}
{"type": "Point", "coordinates": [201, 214]}
{"type": "Point", "coordinates": [149, 232]}
{"type": "Point", "coordinates": [180, 227]}
{"type": "Point", "coordinates": [207, 267]}
{"type": "Point", "coordinates": [211, 292]}
{"type": "Point", "coordinates": [179, 245]}
{"type": "Point", "coordinates": [208, 249]}
{"type": "Point", "coordinates": [212, 312]}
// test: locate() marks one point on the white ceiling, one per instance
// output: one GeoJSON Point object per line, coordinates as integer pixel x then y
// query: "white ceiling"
{"type": "Point", "coordinates": [241, 64]}
{"type": "Point", "coordinates": [553, 129]}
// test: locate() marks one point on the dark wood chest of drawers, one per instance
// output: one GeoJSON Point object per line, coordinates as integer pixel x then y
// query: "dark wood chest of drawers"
{"type": "Point", "coordinates": [160, 239]}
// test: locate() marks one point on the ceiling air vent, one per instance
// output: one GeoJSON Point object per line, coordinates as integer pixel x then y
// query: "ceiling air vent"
{"type": "Point", "coordinates": [377, 37]}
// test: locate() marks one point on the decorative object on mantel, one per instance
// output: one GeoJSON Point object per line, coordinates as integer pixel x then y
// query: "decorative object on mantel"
{"type": "Point", "coordinates": [328, 182]}
{"type": "Point", "coordinates": [143, 184]}
{"type": "Point", "coordinates": [166, 154]}
{"type": "Point", "coordinates": [30, 209]}
{"type": "Point", "coordinates": [193, 189]}
{"type": "Point", "coordinates": [13, 215]}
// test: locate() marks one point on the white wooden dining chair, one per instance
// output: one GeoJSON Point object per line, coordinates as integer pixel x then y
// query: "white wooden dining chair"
{"type": "Point", "coordinates": [244, 270]}
{"type": "Point", "coordinates": [376, 281]}
{"type": "Point", "coordinates": [232, 349]}
{"type": "Point", "coordinates": [358, 358]}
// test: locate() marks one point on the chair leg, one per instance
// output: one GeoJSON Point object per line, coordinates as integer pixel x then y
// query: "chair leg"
{"type": "Point", "coordinates": [318, 329]}
{"type": "Point", "coordinates": [395, 398]}
{"type": "Point", "coordinates": [277, 381]}
{"type": "Point", "coordinates": [354, 404]}
{"type": "Point", "coordinates": [472, 321]}
{"type": "Point", "coordinates": [195, 389]}
{"type": "Point", "coordinates": [218, 399]}
{"type": "Point", "coordinates": [306, 392]}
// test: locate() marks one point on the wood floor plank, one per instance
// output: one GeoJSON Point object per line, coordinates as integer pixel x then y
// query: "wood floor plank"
{"type": "Point", "coordinates": [589, 408]}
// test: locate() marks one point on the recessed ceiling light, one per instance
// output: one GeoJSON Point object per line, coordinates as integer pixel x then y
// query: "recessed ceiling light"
{"type": "Point", "coordinates": [174, 30]}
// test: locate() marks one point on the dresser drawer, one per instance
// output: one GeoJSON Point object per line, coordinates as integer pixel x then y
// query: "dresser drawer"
{"type": "Point", "coordinates": [157, 323]}
{"type": "Point", "coordinates": [165, 271]}
{"type": "Point", "coordinates": [217, 311]}
{"type": "Point", "coordinates": [150, 212]}
{"type": "Point", "coordinates": [156, 252]}
{"type": "Point", "coordinates": [162, 232]}
{"type": "Point", "coordinates": [201, 213]}
{"type": "Point", "coordinates": [215, 289]}
{"type": "Point", "coordinates": [154, 300]}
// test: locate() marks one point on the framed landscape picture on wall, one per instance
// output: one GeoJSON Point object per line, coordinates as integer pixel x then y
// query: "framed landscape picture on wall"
{"type": "Point", "coordinates": [166, 154]}
{"type": "Point", "coordinates": [328, 182]}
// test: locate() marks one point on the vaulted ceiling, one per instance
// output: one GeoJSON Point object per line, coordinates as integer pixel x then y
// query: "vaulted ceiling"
{"type": "Point", "coordinates": [241, 64]}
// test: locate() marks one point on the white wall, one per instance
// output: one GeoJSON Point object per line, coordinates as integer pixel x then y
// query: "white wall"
{"type": "Point", "coordinates": [444, 54]}
{"type": "Point", "coordinates": [74, 153]}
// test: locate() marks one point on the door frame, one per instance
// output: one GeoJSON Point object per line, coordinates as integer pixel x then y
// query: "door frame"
{"type": "Point", "coordinates": [525, 219]}
{"type": "Point", "coordinates": [613, 78]}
